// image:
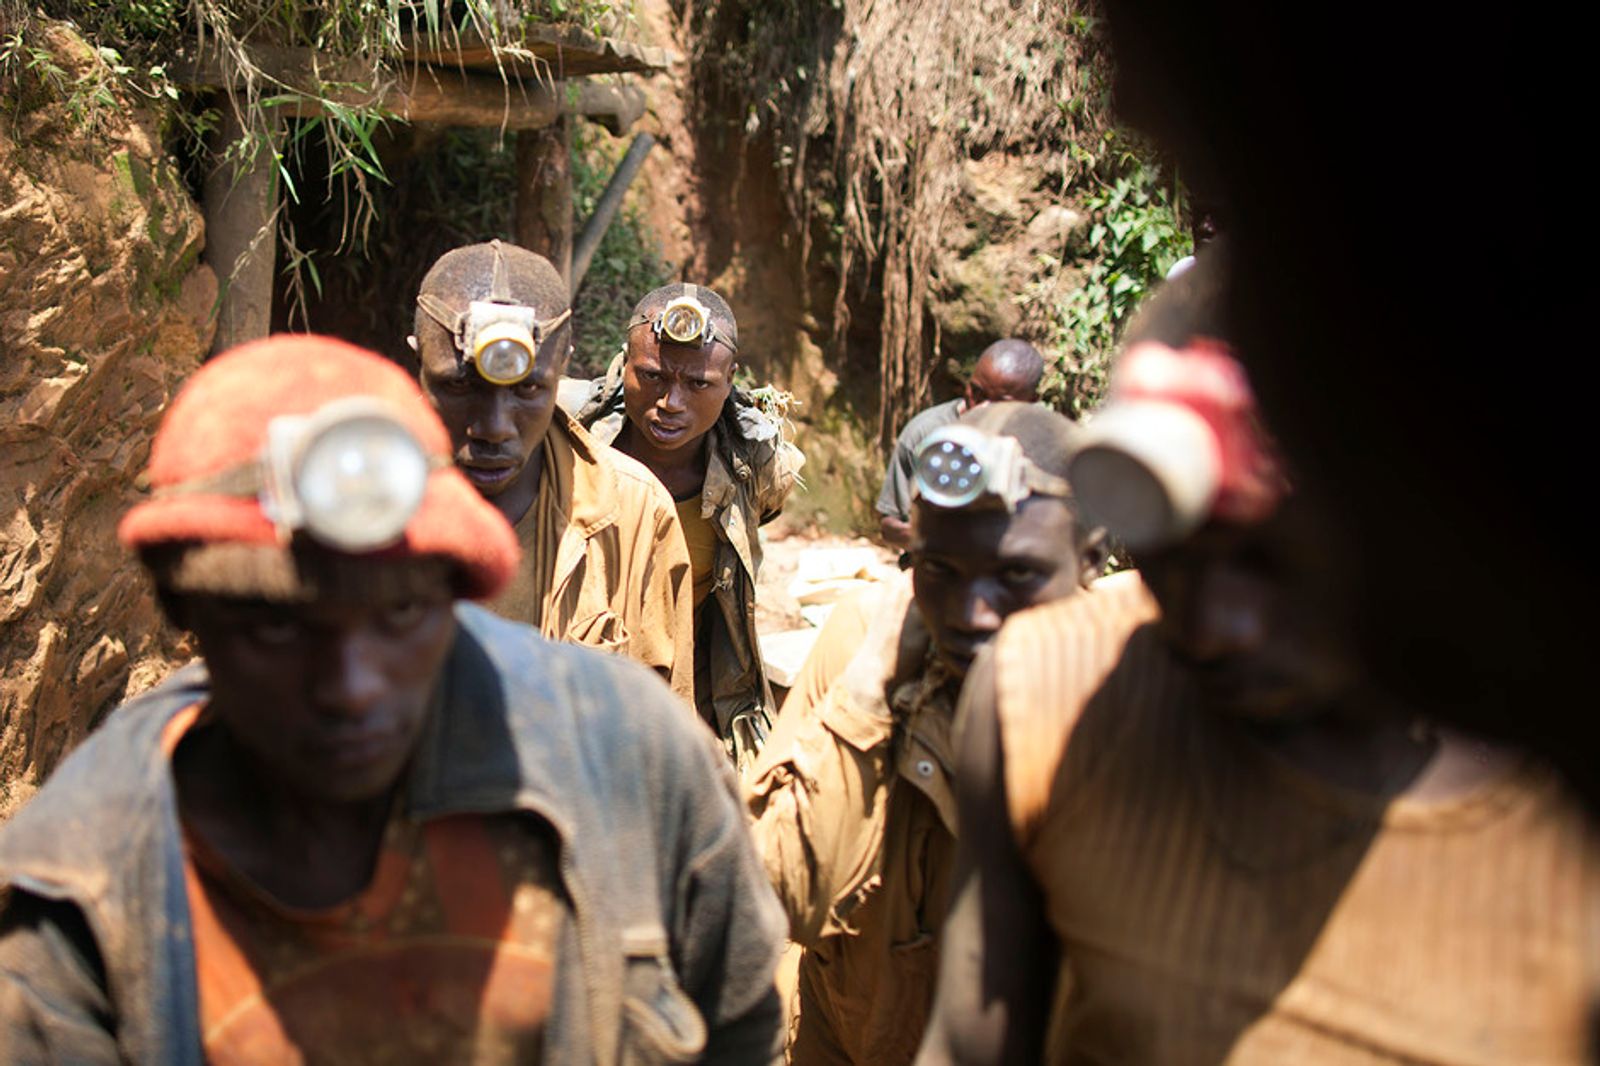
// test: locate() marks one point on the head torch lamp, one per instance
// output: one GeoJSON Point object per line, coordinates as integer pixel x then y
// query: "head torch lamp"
{"type": "Point", "coordinates": [350, 475]}
{"type": "Point", "coordinates": [685, 320]}
{"type": "Point", "coordinates": [1177, 444]}
{"type": "Point", "coordinates": [498, 336]}
{"type": "Point", "coordinates": [962, 466]}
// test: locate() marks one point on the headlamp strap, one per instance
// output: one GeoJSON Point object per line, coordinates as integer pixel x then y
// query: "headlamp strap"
{"type": "Point", "coordinates": [500, 282]}
{"type": "Point", "coordinates": [454, 322]}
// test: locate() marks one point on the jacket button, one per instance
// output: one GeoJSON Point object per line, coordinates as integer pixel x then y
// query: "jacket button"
{"type": "Point", "coordinates": [924, 767]}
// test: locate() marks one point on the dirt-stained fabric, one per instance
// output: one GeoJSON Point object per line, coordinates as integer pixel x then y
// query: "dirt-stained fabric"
{"type": "Point", "coordinates": [855, 822]}
{"type": "Point", "coordinates": [448, 954]}
{"type": "Point", "coordinates": [750, 470]}
{"type": "Point", "coordinates": [667, 944]}
{"type": "Point", "coordinates": [604, 560]}
{"type": "Point", "coordinates": [1216, 903]}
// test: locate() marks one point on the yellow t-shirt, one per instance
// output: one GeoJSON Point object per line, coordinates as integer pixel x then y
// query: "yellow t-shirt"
{"type": "Point", "coordinates": [701, 537]}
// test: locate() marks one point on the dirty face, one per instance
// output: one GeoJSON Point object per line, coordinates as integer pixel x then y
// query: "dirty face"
{"type": "Point", "coordinates": [990, 385]}
{"type": "Point", "coordinates": [674, 393]}
{"type": "Point", "coordinates": [494, 429]}
{"type": "Point", "coordinates": [1236, 605]}
{"type": "Point", "coordinates": [327, 699]}
{"type": "Point", "coordinates": [973, 568]}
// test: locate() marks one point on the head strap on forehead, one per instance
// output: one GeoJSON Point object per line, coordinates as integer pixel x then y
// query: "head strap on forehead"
{"type": "Point", "coordinates": [500, 283]}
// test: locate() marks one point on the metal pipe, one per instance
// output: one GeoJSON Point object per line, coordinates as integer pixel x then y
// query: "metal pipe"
{"type": "Point", "coordinates": [588, 241]}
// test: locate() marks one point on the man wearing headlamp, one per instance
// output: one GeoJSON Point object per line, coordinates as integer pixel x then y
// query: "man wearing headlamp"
{"type": "Point", "coordinates": [604, 561]}
{"type": "Point", "coordinates": [373, 825]}
{"type": "Point", "coordinates": [1193, 830]}
{"type": "Point", "coordinates": [1008, 369]}
{"type": "Point", "coordinates": [854, 814]}
{"type": "Point", "coordinates": [669, 402]}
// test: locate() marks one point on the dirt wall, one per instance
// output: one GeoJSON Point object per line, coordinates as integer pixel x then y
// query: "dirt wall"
{"type": "Point", "coordinates": [104, 308]}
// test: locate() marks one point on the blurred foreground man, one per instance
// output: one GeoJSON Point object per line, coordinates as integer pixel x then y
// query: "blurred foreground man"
{"type": "Point", "coordinates": [855, 815]}
{"type": "Point", "coordinates": [1187, 813]}
{"type": "Point", "coordinates": [604, 562]}
{"type": "Point", "coordinates": [669, 402]}
{"type": "Point", "coordinates": [1008, 369]}
{"type": "Point", "coordinates": [373, 825]}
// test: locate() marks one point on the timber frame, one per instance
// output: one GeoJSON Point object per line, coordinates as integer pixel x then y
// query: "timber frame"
{"type": "Point", "coordinates": [533, 88]}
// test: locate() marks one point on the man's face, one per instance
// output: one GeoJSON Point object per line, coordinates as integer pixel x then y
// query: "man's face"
{"type": "Point", "coordinates": [973, 568]}
{"type": "Point", "coordinates": [494, 429]}
{"type": "Point", "coordinates": [1234, 604]}
{"type": "Point", "coordinates": [674, 393]}
{"type": "Point", "coordinates": [329, 698]}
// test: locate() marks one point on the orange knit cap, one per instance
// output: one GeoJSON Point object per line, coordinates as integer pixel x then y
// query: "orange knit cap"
{"type": "Point", "coordinates": [219, 421]}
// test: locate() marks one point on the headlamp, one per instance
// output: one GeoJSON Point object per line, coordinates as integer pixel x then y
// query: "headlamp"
{"type": "Point", "coordinates": [1176, 445]}
{"type": "Point", "coordinates": [959, 465]}
{"type": "Point", "coordinates": [499, 336]}
{"type": "Point", "coordinates": [350, 474]}
{"type": "Point", "coordinates": [685, 321]}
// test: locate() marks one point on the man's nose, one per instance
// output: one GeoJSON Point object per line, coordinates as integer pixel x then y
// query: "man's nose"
{"type": "Point", "coordinates": [672, 400]}
{"type": "Point", "coordinates": [494, 424]}
{"type": "Point", "coordinates": [1222, 626]}
{"type": "Point", "coordinates": [350, 679]}
{"type": "Point", "coordinates": [979, 613]}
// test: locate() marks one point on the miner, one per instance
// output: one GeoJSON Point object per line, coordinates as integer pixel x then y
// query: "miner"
{"type": "Point", "coordinates": [604, 561]}
{"type": "Point", "coordinates": [669, 401]}
{"type": "Point", "coordinates": [1193, 827]}
{"type": "Point", "coordinates": [852, 800]}
{"type": "Point", "coordinates": [1008, 369]}
{"type": "Point", "coordinates": [374, 822]}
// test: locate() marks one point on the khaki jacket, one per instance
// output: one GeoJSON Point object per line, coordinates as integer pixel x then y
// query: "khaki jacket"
{"type": "Point", "coordinates": [749, 473]}
{"type": "Point", "coordinates": [855, 822]}
{"type": "Point", "coordinates": [621, 580]}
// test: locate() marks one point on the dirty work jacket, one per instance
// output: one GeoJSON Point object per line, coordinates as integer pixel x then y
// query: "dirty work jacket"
{"type": "Point", "coordinates": [667, 949]}
{"type": "Point", "coordinates": [750, 470]}
{"type": "Point", "coordinates": [621, 580]}
{"type": "Point", "coordinates": [855, 821]}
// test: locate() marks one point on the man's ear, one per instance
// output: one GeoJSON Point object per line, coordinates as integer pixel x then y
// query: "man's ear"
{"type": "Point", "coordinates": [176, 606]}
{"type": "Point", "coordinates": [1092, 555]}
{"type": "Point", "coordinates": [411, 341]}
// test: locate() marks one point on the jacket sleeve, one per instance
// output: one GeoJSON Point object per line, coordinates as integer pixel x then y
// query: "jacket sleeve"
{"type": "Point", "coordinates": [818, 791]}
{"type": "Point", "coordinates": [669, 602]}
{"type": "Point", "coordinates": [727, 928]}
{"type": "Point", "coordinates": [777, 471]}
{"type": "Point", "coordinates": [53, 1001]}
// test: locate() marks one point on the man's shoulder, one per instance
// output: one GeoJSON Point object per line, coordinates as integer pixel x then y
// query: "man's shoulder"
{"type": "Point", "coordinates": [637, 484]}
{"type": "Point", "coordinates": [929, 419]}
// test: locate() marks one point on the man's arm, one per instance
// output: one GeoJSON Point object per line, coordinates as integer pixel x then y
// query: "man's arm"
{"type": "Point", "coordinates": [727, 929]}
{"type": "Point", "coordinates": [668, 609]}
{"type": "Point", "coordinates": [53, 1003]}
{"type": "Point", "coordinates": [894, 499]}
{"type": "Point", "coordinates": [998, 960]}
{"type": "Point", "coordinates": [896, 532]}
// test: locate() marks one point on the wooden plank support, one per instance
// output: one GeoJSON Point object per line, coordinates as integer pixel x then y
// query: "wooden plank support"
{"type": "Point", "coordinates": [241, 211]}
{"type": "Point", "coordinates": [544, 193]}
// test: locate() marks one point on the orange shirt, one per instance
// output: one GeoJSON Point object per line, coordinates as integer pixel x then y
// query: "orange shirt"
{"type": "Point", "coordinates": [701, 538]}
{"type": "Point", "coordinates": [448, 955]}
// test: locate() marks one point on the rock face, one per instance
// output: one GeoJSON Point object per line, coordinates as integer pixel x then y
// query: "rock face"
{"type": "Point", "coordinates": [104, 309]}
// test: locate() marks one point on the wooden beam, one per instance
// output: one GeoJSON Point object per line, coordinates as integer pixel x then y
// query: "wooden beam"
{"type": "Point", "coordinates": [544, 193]}
{"type": "Point", "coordinates": [241, 210]}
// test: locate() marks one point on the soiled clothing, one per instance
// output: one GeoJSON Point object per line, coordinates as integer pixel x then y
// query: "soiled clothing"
{"type": "Point", "coordinates": [1216, 904]}
{"type": "Point", "coordinates": [604, 559]}
{"type": "Point", "coordinates": [667, 937]}
{"type": "Point", "coordinates": [855, 822]}
{"type": "Point", "coordinates": [701, 537]}
{"type": "Point", "coordinates": [894, 499]}
{"type": "Point", "coordinates": [750, 469]}
{"type": "Point", "coordinates": [447, 955]}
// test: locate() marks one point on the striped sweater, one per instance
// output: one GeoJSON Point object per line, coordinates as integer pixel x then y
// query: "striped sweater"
{"type": "Point", "coordinates": [1215, 904]}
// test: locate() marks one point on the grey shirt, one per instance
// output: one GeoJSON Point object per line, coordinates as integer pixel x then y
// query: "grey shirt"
{"type": "Point", "coordinates": [895, 497]}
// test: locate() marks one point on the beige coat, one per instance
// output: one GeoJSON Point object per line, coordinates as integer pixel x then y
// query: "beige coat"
{"type": "Point", "coordinates": [620, 578]}
{"type": "Point", "coordinates": [855, 822]}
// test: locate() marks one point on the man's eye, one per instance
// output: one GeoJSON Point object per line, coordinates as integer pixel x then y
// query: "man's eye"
{"type": "Point", "coordinates": [699, 386]}
{"type": "Point", "coordinates": [527, 388]}
{"type": "Point", "coordinates": [405, 616]}
{"type": "Point", "coordinates": [275, 632]}
{"type": "Point", "coordinates": [651, 376]}
{"type": "Point", "coordinates": [1020, 575]}
{"type": "Point", "coordinates": [934, 567]}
